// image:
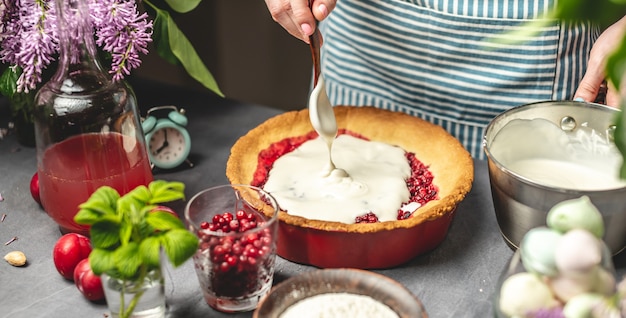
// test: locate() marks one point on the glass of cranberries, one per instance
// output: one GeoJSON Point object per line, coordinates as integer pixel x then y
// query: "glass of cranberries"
{"type": "Point", "coordinates": [237, 227]}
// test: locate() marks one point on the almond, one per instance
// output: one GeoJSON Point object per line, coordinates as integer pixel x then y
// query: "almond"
{"type": "Point", "coordinates": [15, 258]}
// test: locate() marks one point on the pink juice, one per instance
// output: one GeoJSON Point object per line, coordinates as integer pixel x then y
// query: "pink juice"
{"type": "Point", "coordinates": [74, 168]}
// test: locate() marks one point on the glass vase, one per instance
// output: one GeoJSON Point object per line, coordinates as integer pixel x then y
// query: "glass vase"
{"type": "Point", "coordinates": [143, 298]}
{"type": "Point", "coordinates": [87, 126]}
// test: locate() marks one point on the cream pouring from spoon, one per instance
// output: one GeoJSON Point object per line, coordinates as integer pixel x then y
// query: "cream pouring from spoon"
{"type": "Point", "coordinates": [321, 112]}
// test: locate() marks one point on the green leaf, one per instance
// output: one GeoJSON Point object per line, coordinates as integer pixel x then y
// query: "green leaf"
{"type": "Point", "coordinates": [8, 82]}
{"type": "Point", "coordinates": [105, 234]}
{"type": "Point", "coordinates": [101, 203]}
{"type": "Point", "coordinates": [616, 64]}
{"type": "Point", "coordinates": [161, 41]}
{"type": "Point", "coordinates": [604, 13]}
{"type": "Point", "coordinates": [183, 50]}
{"type": "Point", "coordinates": [150, 251]}
{"type": "Point", "coordinates": [183, 6]}
{"type": "Point", "coordinates": [127, 260]}
{"type": "Point", "coordinates": [163, 191]}
{"type": "Point", "coordinates": [179, 245]}
{"type": "Point", "coordinates": [101, 261]}
{"type": "Point", "coordinates": [125, 232]}
{"type": "Point", "coordinates": [140, 193]}
{"type": "Point", "coordinates": [128, 206]}
{"type": "Point", "coordinates": [164, 221]}
{"type": "Point", "coordinates": [87, 216]}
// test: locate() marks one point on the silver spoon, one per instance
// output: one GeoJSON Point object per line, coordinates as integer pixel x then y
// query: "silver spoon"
{"type": "Point", "coordinates": [321, 112]}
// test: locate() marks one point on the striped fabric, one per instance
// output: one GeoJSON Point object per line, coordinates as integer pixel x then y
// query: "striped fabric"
{"type": "Point", "coordinates": [436, 59]}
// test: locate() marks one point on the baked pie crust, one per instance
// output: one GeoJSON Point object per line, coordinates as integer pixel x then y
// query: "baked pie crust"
{"type": "Point", "coordinates": [443, 155]}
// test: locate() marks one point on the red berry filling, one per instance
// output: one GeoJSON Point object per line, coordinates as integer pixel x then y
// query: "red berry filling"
{"type": "Point", "coordinates": [240, 262]}
{"type": "Point", "coordinates": [420, 183]}
{"type": "Point", "coordinates": [369, 217]}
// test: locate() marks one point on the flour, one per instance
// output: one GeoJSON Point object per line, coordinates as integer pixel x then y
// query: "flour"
{"type": "Point", "coordinates": [339, 305]}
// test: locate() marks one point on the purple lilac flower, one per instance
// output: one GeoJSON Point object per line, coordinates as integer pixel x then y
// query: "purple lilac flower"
{"type": "Point", "coordinates": [28, 39]}
{"type": "Point", "coordinates": [123, 32]}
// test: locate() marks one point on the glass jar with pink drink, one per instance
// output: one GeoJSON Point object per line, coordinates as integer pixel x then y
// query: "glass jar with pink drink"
{"type": "Point", "coordinates": [87, 128]}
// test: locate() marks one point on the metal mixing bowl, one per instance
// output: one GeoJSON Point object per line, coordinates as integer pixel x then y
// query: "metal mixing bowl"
{"type": "Point", "coordinates": [521, 204]}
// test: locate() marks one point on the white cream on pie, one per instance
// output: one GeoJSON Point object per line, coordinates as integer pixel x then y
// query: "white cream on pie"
{"type": "Point", "coordinates": [375, 180]}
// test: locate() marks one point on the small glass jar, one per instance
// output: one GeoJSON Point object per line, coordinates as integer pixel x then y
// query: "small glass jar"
{"type": "Point", "coordinates": [136, 298]}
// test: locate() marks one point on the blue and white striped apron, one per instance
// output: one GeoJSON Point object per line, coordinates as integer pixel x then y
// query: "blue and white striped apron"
{"type": "Point", "coordinates": [428, 58]}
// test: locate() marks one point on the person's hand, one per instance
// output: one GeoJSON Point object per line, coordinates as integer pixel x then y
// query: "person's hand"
{"type": "Point", "coordinates": [592, 80]}
{"type": "Point", "coordinates": [296, 17]}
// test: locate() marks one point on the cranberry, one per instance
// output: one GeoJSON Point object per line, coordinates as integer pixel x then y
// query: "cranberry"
{"type": "Point", "coordinates": [420, 185]}
{"type": "Point", "coordinates": [239, 261]}
{"type": "Point", "coordinates": [369, 217]}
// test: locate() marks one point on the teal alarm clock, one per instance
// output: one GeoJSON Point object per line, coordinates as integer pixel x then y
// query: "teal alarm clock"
{"type": "Point", "coordinates": [167, 140]}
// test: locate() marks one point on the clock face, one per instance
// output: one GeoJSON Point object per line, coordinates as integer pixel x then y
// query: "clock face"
{"type": "Point", "coordinates": [167, 146]}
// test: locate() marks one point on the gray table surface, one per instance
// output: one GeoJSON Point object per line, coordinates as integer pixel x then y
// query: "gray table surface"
{"type": "Point", "coordinates": [457, 279]}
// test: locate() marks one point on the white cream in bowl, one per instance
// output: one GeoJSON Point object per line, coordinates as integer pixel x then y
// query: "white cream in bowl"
{"type": "Point", "coordinates": [540, 151]}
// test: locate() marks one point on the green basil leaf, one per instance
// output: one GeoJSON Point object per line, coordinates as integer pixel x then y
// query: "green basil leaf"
{"type": "Point", "coordinates": [125, 232]}
{"type": "Point", "coordinates": [166, 191]}
{"type": "Point", "coordinates": [156, 185]}
{"type": "Point", "coordinates": [150, 251]}
{"type": "Point", "coordinates": [127, 204]}
{"type": "Point", "coordinates": [164, 221]}
{"type": "Point", "coordinates": [103, 201]}
{"type": "Point", "coordinates": [167, 196]}
{"type": "Point", "coordinates": [183, 6]}
{"type": "Point", "coordinates": [101, 205]}
{"type": "Point", "coordinates": [141, 194]}
{"type": "Point", "coordinates": [127, 260]}
{"type": "Point", "coordinates": [179, 245]}
{"type": "Point", "coordinates": [101, 261]}
{"type": "Point", "coordinates": [87, 216]}
{"type": "Point", "coordinates": [105, 234]}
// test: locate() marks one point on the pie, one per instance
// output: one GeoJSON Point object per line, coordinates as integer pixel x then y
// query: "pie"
{"type": "Point", "coordinates": [443, 156]}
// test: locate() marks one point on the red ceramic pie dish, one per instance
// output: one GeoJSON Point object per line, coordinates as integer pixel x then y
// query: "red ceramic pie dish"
{"type": "Point", "coordinates": [365, 245]}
